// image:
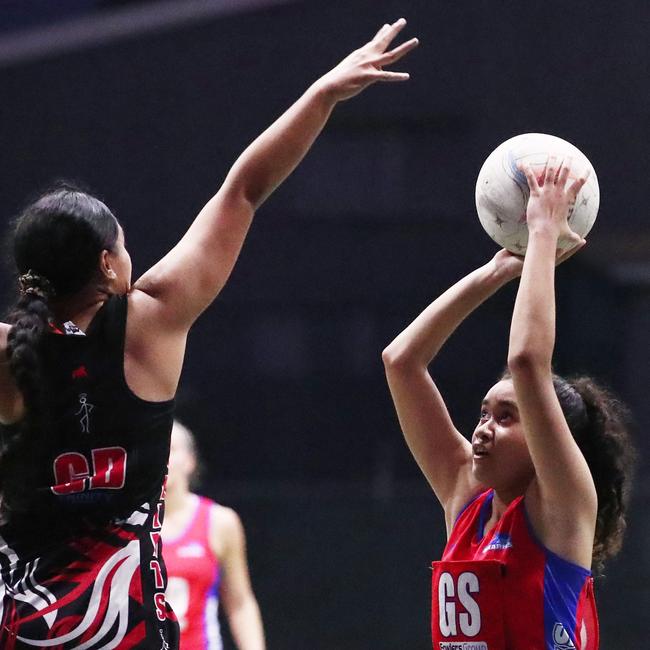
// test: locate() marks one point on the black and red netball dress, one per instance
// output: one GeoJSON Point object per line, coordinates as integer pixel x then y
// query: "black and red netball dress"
{"type": "Point", "coordinates": [80, 552]}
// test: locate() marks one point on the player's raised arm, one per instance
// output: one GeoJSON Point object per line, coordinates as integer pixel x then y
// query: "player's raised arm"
{"type": "Point", "coordinates": [190, 276]}
{"type": "Point", "coordinates": [563, 500]}
{"type": "Point", "coordinates": [443, 454]}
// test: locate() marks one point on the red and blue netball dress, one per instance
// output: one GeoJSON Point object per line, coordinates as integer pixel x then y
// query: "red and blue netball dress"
{"type": "Point", "coordinates": [503, 590]}
{"type": "Point", "coordinates": [193, 580]}
{"type": "Point", "coordinates": [80, 550]}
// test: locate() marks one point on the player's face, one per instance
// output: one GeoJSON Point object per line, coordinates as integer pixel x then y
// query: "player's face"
{"type": "Point", "coordinates": [500, 457]}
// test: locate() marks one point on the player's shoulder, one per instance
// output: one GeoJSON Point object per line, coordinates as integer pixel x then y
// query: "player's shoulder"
{"type": "Point", "coordinates": [221, 517]}
{"type": "Point", "coordinates": [151, 301]}
{"type": "Point", "coordinates": [140, 303]}
{"type": "Point", "coordinates": [226, 530]}
{"type": "Point", "coordinates": [225, 517]}
{"type": "Point", "coordinates": [464, 504]}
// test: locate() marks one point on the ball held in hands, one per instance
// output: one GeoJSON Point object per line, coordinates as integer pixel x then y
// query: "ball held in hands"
{"type": "Point", "coordinates": [502, 190]}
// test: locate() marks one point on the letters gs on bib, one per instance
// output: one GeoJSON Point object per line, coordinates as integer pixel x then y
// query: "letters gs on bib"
{"type": "Point", "coordinates": [467, 605]}
{"type": "Point", "coordinates": [72, 471]}
{"type": "Point", "coordinates": [450, 592]}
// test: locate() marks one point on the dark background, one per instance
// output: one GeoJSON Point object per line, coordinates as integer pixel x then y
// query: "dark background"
{"type": "Point", "coordinates": [283, 382]}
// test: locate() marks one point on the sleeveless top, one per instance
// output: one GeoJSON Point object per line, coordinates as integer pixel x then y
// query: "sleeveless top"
{"type": "Point", "coordinates": [505, 591]}
{"type": "Point", "coordinates": [193, 580]}
{"type": "Point", "coordinates": [80, 560]}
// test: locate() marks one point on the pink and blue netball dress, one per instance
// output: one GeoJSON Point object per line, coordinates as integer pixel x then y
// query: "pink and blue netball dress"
{"type": "Point", "coordinates": [503, 590]}
{"type": "Point", "coordinates": [193, 580]}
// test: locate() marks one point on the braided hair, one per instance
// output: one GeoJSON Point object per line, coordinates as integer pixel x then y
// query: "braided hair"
{"type": "Point", "coordinates": [57, 242]}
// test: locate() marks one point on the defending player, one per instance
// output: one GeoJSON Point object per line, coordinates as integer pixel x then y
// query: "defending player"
{"type": "Point", "coordinates": [539, 496]}
{"type": "Point", "coordinates": [90, 366]}
{"type": "Point", "coordinates": [205, 554]}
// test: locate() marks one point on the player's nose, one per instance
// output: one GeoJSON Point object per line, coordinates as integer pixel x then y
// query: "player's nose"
{"type": "Point", "coordinates": [484, 432]}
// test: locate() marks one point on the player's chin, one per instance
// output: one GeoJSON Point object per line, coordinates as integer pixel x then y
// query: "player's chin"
{"type": "Point", "coordinates": [479, 470]}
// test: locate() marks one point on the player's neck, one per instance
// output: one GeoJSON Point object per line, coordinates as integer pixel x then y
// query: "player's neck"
{"type": "Point", "coordinates": [506, 493]}
{"type": "Point", "coordinates": [500, 503]}
{"type": "Point", "coordinates": [80, 308]}
{"type": "Point", "coordinates": [177, 500]}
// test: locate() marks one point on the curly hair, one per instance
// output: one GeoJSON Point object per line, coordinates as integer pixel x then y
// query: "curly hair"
{"type": "Point", "coordinates": [599, 424]}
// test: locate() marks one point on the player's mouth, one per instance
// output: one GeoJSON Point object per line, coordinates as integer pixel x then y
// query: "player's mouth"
{"type": "Point", "coordinates": [478, 451]}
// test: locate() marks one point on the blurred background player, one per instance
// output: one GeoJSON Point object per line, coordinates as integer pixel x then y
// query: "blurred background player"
{"type": "Point", "coordinates": [204, 547]}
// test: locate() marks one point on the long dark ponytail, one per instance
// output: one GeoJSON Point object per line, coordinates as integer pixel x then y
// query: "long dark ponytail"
{"type": "Point", "coordinates": [599, 424]}
{"type": "Point", "coordinates": [57, 241]}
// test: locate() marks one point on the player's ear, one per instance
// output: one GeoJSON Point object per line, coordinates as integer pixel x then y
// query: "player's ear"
{"type": "Point", "coordinates": [105, 266]}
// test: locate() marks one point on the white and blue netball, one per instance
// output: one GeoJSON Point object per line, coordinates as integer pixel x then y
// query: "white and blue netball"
{"type": "Point", "coordinates": [502, 190]}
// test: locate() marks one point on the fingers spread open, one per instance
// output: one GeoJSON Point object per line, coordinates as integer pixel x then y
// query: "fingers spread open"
{"type": "Point", "coordinates": [397, 53]}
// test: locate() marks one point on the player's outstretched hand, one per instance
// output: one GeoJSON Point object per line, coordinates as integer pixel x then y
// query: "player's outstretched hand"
{"type": "Point", "coordinates": [365, 66]}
